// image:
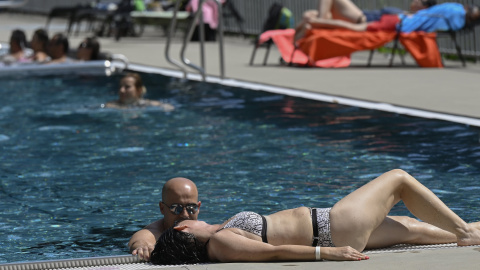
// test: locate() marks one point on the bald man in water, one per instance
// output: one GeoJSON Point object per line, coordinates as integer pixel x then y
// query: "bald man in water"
{"type": "Point", "coordinates": [179, 202]}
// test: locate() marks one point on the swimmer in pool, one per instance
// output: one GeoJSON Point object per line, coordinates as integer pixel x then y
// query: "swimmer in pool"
{"type": "Point", "coordinates": [357, 222]}
{"type": "Point", "coordinates": [18, 52]}
{"type": "Point", "coordinates": [131, 94]}
{"type": "Point", "coordinates": [89, 49]}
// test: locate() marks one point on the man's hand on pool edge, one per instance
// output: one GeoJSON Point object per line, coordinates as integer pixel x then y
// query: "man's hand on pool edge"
{"type": "Point", "coordinates": [143, 252]}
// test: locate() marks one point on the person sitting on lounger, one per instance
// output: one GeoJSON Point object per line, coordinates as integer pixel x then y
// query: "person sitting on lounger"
{"type": "Point", "coordinates": [345, 14]}
{"type": "Point", "coordinates": [358, 221]}
{"type": "Point", "coordinates": [131, 94]}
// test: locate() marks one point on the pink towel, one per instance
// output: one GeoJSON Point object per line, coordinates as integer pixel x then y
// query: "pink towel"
{"type": "Point", "coordinates": [210, 11]}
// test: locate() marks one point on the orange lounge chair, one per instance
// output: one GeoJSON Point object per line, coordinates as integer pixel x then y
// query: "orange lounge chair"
{"type": "Point", "coordinates": [333, 47]}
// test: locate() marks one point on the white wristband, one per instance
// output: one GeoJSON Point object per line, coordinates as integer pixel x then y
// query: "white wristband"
{"type": "Point", "coordinates": [317, 253]}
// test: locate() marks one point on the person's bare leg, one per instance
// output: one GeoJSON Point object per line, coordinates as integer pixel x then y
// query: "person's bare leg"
{"type": "Point", "coordinates": [340, 10]}
{"type": "Point", "coordinates": [332, 14]}
{"type": "Point", "coordinates": [405, 230]}
{"type": "Point", "coordinates": [337, 24]}
{"type": "Point", "coordinates": [355, 217]}
{"type": "Point", "coordinates": [301, 28]}
{"type": "Point", "coordinates": [324, 10]}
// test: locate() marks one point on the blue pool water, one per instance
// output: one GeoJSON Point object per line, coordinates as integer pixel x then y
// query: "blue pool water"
{"type": "Point", "coordinates": [77, 180]}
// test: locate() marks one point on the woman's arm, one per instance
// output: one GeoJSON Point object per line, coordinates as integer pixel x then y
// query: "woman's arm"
{"type": "Point", "coordinates": [228, 246]}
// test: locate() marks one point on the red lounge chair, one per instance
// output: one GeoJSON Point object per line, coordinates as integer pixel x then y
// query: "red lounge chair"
{"type": "Point", "coordinates": [333, 47]}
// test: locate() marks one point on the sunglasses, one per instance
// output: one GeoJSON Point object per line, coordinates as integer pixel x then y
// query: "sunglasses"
{"type": "Point", "coordinates": [84, 44]}
{"type": "Point", "coordinates": [177, 208]}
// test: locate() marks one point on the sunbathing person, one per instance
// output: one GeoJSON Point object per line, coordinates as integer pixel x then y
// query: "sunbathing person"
{"type": "Point", "coordinates": [358, 221]}
{"type": "Point", "coordinates": [39, 45]}
{"type": "Point", "coordinates": [345, 14]}
{"type": "Point", "coordinates": [131, 94]}
{"type": "Point", "coordinates": [415, 5]}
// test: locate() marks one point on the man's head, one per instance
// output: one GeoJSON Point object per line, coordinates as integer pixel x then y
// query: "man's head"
{"type": "Point", "coordinates": [417, 5]}
{"type": "Point", "coordinates": [472, 18]}
{"type": "Point", "coordinates": [179, 201]}
{"type": "Point", "coordinates": [58, 46]}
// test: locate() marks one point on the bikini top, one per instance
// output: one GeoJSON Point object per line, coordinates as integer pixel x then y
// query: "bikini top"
{"type": "Point", "coordinates": [250, 222]}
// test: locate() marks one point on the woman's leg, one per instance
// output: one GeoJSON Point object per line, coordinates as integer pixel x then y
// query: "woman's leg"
{"type": "Point", "coordinates": [340, 10]}
{"type": "Point", "coordinates": [405, 230]}
{"type": "Point", "coordinates": [332, 14]}
{"type": "Point", "coordinates": [355, 217]}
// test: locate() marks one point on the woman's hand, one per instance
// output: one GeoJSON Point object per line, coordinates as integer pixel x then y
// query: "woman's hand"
{"type": "Point", "coordinates": [342, 254]}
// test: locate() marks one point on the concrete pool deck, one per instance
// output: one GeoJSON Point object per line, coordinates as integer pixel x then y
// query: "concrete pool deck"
{"type": "Point", "coordinates": [451, 90]}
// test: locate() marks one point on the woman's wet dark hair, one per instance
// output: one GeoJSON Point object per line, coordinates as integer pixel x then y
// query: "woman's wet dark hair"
{"type": "Point", "coordinates": [42, 36]}
{"type": "Point", "coordinates": [18, 36]}
{"type": "Point", "coordinates": [177, 247]}
{"type": "Point", "coordinates": [92, 43]}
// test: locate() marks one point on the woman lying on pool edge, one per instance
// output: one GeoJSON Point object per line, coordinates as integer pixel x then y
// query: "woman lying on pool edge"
{"type": "Point", "coordinates": [357, 222]}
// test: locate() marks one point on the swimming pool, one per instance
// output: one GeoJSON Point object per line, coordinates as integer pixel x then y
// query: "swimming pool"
{"type": "Point", "coordinates": [77, 180]}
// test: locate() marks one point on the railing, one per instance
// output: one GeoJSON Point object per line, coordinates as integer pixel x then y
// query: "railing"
{"type": "Point", "coordinates": [198, 18]}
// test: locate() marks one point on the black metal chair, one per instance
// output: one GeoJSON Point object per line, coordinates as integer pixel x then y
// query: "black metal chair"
{"type": "Point", "coordinates": [270, 23]}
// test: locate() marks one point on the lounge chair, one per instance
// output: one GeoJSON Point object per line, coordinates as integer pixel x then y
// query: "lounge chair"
{"type": "Point", "coordinates": [321, 44]}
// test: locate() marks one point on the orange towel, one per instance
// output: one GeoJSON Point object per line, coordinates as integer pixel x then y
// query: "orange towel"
{"type": "Point", "coordinates": [423, 47]}
{"type": "Point", "coordinates": [333, 47]}
{"type": "Point", "coordinates": [283, 39]}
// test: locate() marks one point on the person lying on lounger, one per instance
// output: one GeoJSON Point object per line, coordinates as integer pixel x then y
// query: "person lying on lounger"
{"type": "Point", "coordinates": [345, 14]}
{"type": "Point", "coordinates": [131, 94]}
{"type": "Point", "coordinates": [357, 222]}
{"type": "Point", "coordinates": [415, 5]}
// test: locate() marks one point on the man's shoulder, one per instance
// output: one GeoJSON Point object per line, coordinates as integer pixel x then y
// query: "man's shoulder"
{"type": "Point", "coordinates": [156, 226]}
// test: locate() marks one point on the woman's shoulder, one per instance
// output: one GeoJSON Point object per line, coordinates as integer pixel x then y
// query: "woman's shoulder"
{"type": "Point", "coordinates": [111, 104]}
{"type": "Point", "coordinates": [41, 57]}
{"type": "Point", "coordinates": [147, 103]}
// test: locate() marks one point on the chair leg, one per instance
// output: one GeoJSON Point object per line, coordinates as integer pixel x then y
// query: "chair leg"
{"type": "Point", "coordinates": [267, 53]}
{"type": "Point", "coordinates": [394, 50]}
{"type": "Point", "coordinates": [370, 57]}
{"type": "Point", "coordinates": [253, 53]}
{"type": "Point", "coordinates": [290, 63]}
{"type": "Point", "coordinates": [402, 57]}
{"type": "Point", "coordinates": [457, 47]}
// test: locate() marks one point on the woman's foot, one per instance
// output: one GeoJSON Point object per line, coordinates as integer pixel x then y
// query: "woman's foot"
{"type": "Point", "coordinates": [300, 31]}
{"type": "Point", "coordinates": [471, 237]}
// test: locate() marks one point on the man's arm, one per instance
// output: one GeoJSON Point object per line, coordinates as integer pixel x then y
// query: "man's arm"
{"type": "Point", "coordinates": [143, 242]}
{"type": "Point", "coordinates": [227, 246]}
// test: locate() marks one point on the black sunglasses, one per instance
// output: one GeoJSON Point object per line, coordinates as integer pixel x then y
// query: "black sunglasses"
{"type": "Point", "coordinates": [177, 208]}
